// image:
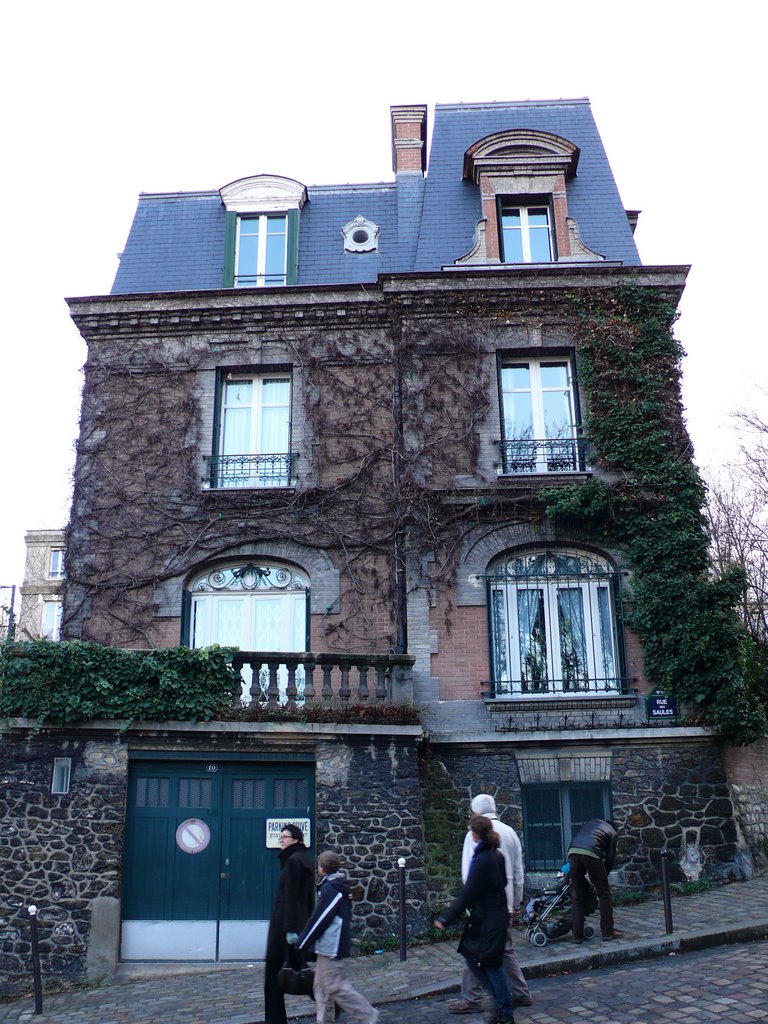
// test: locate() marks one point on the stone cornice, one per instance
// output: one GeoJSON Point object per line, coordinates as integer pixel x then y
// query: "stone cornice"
{"type": "Point", "coordinates": [247, 730]}
{"type": "Point", "coordinates": [228, 316]}
{"type": "Point", "coordinates": [554, 738]}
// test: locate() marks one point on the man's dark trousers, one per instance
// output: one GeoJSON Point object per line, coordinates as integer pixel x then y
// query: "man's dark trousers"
{"type": "Point", "coordinates": [581, 866]}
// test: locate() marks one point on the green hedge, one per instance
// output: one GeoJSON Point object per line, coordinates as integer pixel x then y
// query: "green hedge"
{"type": "Point", "coordinates": [70, 681]}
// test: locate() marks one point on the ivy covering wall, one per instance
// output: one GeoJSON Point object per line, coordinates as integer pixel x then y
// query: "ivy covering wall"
{"type": "Point", "coordinates": [75, 681]}
{"type": "Point", "coordinates": [650, 504]}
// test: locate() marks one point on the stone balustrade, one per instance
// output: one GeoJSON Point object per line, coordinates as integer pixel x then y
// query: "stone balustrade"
{"type": "Point", "coordinates": [279, 677]}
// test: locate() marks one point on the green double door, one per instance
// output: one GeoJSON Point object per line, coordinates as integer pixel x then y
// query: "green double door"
{"type": "Point", "coordinates": [200, 864]}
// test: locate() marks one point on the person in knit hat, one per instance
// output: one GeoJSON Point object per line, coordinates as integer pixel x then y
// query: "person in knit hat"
{"type": "Point", "coordinates": [512, 851]}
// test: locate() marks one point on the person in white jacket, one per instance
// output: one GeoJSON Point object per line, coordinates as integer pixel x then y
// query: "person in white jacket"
{"type": "Point", "coordinates": [471, 989]}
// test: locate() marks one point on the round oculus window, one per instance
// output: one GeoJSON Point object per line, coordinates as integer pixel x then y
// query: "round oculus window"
{"type": "Point", "coordinates": [360, 235]}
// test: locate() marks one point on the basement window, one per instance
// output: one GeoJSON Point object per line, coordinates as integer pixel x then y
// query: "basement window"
{"type": "Point", "coordinates": [62, 775]}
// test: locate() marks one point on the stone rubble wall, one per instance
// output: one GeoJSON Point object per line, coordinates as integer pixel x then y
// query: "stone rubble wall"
{"type": "Point", "coordinates": [64, 853]}
{"type": "Point", "coordinates": [671, 796]}
{"type": "Point", "coordinates": [747, 770]}
{"type": "Point", "coordinates": [61, 853]}
{"type": "Point", "coordinates": [369, 810]}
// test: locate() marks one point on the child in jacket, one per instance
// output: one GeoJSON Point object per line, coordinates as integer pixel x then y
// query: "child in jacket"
{"type": "Point", "coordinates": [328, 932]}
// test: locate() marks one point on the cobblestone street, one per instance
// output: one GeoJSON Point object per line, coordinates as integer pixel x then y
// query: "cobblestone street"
{"type": "Point", "coordinates": [714, 966]}
{"type": "Point", "coordinates": [729, 984]}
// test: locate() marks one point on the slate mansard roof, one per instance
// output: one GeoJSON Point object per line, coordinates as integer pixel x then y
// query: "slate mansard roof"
{"type": "Point", "coordinates": [177, 240]}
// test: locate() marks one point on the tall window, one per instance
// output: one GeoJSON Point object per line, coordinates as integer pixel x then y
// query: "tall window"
{"type": "Point", "coordinates": [262, 249]}
{"type": "Point", "coordinates": [526, 233]}
{"type": "Point", "coordinates": [254, 607]}
{"type": "Point", "coordinates": [552, 813]}
{"type": "Point", "coordinates": [51, 621]}
{"type": "Point", "coordinates": [553, 624]}
{"type": "Point", "coordinates": [539, 417]}
{"type": "Point", "coordinates": [254, 432]}
{"type": "Point", "coordinates": [56, 564]}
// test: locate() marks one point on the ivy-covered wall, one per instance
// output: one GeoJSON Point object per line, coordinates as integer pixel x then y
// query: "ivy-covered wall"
{"type": "Point", "coordinates": [649, 500]}
{"type": "Point", "coordinates": [396, 424]}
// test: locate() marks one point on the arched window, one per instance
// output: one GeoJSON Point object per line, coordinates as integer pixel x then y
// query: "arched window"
{"type": "Point", "coordinates": [254, 607]}
{"type": "Point", "coordinates": [553, 619]}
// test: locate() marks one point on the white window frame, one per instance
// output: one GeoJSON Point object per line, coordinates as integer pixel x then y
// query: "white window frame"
{"type": "Point", "coordinates": [50, 619]}
{"type": "Point", "coordinates": [506, 204]}
{"type": "Point", "coordinates": [248, 473]}
{"type": "Point", "coordinates": [252, 588]}
{"type": "Point", "coordinates": [540, 458]}
{"type": "Point", "coordinates": [261, 279]}
{"type": "Point", "coordinates": [56, 564]}
{"type": "Point", "coordinates": [601, 656]}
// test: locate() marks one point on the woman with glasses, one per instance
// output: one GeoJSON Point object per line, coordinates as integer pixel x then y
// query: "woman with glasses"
{"type": "Point", "coordinates": [294, 899]}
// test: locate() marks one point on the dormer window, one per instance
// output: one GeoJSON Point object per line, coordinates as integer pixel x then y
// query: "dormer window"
{"type": "Point", "coordinates": [521, 174]}
{"type": "Point", "coordinates": [261, 251]}
{"type": "Point", "coordinates": [526, 232]}
{"type": "Point", "coordinates": [262, 231]}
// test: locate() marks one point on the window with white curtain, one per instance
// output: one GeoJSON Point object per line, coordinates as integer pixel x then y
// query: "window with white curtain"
{"type": "Point", "coordinates": [261, 256]}
{"type": "Point", "coordinates": [254, 432]}
{"type": "Point", "coordinates": [51, 619]}
{"type": "Point", "coordinates": [553, 617]}
{"type": "Point", "coordinates": [254, 607]}
{"type": "Point", "coordinates": [540, 433]}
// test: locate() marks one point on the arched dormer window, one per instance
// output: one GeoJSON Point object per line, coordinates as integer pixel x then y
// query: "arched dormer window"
{"type": "Point", "coordinates": [262, 231]}
{"type": "Point", "coordinates": [522, 176]}
{"type": "Point", "coordinates": [554, 624]}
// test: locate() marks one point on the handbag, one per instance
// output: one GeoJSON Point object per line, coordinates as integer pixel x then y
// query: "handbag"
{"type": "Point", "coordinates": [296, 980]}
{"type": "Point", "coordinates": [470, 944]}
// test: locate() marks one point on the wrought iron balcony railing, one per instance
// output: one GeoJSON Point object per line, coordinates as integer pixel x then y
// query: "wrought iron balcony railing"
{"type": "Point", "coordinates": [615, 686]}
{"type": "Point", "coordinates": [272, 677]}
{"type": "Point", "coordinates": [548, 455]}
{"type": "Point", "coordinates": [251, 470]}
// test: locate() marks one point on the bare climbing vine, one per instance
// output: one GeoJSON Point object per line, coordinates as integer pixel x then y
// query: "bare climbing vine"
{"type": "Point", "coordinates": [391, 432]}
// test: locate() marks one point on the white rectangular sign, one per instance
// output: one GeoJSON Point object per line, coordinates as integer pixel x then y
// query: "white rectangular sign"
{"type": "Point", "coordinates": [276, 825]}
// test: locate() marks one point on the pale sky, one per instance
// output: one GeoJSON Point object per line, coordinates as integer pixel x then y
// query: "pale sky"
{"type": "Point", "coordinates": [106, 100]}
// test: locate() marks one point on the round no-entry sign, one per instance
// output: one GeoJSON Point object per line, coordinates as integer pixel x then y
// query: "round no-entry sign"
{"type": "Point", "coordinates": [193, 835]}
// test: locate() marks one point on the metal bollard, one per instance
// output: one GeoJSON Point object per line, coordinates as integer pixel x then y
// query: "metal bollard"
{"type": "Point", "coordinates": [667, 896]}
{"type": "Point", "coordinates": [36, 975]}
{"type": "Point", "coordinates": [401, 872]}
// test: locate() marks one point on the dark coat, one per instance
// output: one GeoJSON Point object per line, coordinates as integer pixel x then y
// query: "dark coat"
{"type": "Point", "coordinates": [599, 837]}
{"type": "Point", "coordinates": [484, 895]}
{"type": "Point", "coordinates": [294, 898]}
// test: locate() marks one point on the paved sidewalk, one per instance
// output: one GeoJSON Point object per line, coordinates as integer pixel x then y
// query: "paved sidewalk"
{"type": "Point", "coordinates": [211, 994]}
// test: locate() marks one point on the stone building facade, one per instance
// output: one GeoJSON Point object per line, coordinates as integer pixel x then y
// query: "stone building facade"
{"type": "Point", "coordinates": [43, 587]}
{"type": "Point", "coordinates": [323, 425]}
{"type": "Point", "coordinates": [64, 851]}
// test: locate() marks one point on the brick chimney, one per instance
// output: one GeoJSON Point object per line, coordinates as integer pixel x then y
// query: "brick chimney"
{"type": "Point", "coordinates": [409, 139]}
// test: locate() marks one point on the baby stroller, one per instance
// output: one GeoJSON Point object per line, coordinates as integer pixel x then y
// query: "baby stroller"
{"type": "Point", "coordinates": [548, 913]}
